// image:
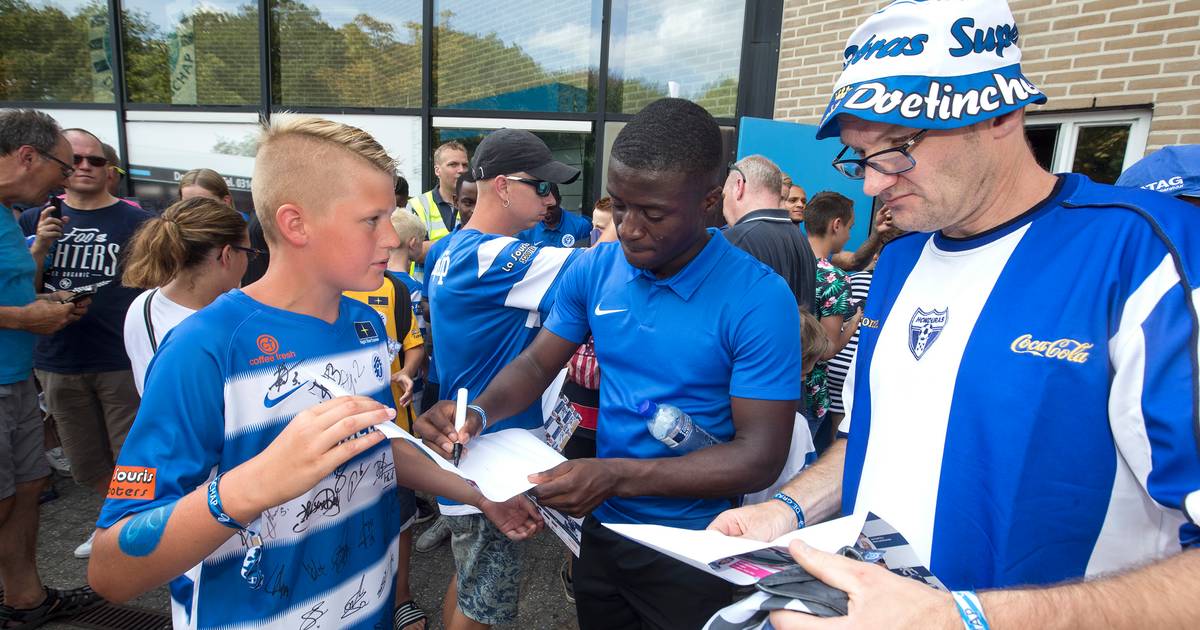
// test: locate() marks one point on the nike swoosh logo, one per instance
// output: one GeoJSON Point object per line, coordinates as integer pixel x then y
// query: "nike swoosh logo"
{"type": "Point", "coordinates": [269, 402]}
{"type": "Point", "coordinates": [600, 312]}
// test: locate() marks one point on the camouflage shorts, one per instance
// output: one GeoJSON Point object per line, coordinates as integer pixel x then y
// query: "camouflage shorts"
{"type": "Point", "coordinates": [489, 569]}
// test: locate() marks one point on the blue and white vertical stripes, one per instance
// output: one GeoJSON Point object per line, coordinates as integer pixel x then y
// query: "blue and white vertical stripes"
{"type": "Point", "coordinates": [1052, 425]}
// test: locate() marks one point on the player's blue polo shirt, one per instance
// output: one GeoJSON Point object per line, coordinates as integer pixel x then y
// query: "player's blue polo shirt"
{"type": "Point", "coordinates": [724, 325]}
{"type": "Point", "coordinates": [572, 231]}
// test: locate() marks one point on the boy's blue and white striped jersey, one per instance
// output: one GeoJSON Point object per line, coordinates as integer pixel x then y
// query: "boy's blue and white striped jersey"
{"type": "Point", "coordinates": [1023, 406]}
{"type": "Point", "coordinates": [488, 296]}
{"type": "Point", "coordinates": [223, 385]}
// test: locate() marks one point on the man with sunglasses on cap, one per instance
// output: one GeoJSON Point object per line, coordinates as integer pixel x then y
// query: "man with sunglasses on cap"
{"type": "Point", "coordinates": [488, 295]}
{"type": "Point", "coordinates": [1023, 405]}
{"type": "Point", "coordinates": [83, 368]}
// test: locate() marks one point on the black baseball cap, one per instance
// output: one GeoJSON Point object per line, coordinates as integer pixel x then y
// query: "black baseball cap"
{"type": "Point", "coordinates": [507, 151]}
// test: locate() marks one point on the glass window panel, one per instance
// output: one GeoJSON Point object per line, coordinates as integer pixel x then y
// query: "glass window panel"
{"type": "Point", "coordinates": [400, 137]}
{"type": "Point", "coordinates": [194, 52]}
{"type": "Point", "coordinates": [1044, 141]}
{"type": "Point", "coordinates": [1100, 152]}
{"type": "Point", "coordinates": [161, 152]}
{"type": "Point", "coordinates": [729, 140]}
{"type": "Point", "coordinates": [686, 48]}
{"type": "Point", "coordinates": [102, 123]}
{"type": "Point", "coordinates": [574, 149]}
{"type": "Point", "coordinates": [55, 50]}
{"type": "Point", "coordinates": [525, 55]}
{"type": "Point", "coordinates": [347, 53]}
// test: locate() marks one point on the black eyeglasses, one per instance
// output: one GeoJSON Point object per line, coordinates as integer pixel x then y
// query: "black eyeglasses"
{"type": "Point", "coordinates": [95, 160]}
{"type": "Point", "coordinates": [67, 169]}
{"type": "Point", "coordinates": [733, 168]}
{"type": "Point", "coordinates": [891, 161]}
{"type": "Point", "coordinates": [251, 253]}
{"type": "Point", "coordinates": [542, 187]}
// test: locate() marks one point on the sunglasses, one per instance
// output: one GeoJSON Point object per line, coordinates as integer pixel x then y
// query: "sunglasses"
{"type": "Point", "coordinates": [94, 160]}
{"type": "Point", "coordinates": [542, 187]}
{"type": "Point", "coordinates": [67, 169]}
{"type": "Point", "coordinates": [252, 254]}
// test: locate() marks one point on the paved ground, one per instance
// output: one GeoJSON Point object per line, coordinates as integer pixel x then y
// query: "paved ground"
{"type": "Point", "coordinates": [67, 521]}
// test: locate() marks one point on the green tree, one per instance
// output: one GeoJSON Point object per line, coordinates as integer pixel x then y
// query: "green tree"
{"type": "Point", "coordinates": [44, 52]}
{"type": "Point", "coordinates": [145, 52]}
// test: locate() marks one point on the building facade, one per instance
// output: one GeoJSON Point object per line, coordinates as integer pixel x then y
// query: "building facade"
{"type": "Point", "coordinates": [181, 85]}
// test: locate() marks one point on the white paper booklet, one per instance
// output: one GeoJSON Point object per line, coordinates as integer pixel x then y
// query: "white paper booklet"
{"type": "Point", "coordinates": [740, 560]}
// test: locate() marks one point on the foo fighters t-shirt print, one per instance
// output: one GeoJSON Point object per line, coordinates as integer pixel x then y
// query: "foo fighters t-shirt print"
{"type": "Point", "coordinates": [88, 254]}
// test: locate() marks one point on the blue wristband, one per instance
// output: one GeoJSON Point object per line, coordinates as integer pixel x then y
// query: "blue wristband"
{"type": "Point", "coordinates": [251, 571]}
{"type": "Point", "coordinates": [971, 610]}
{"type": "Point", "coordinates": [482, 415]}
{"type": "Point", "coordinates": [215, 508]}
{"type": "Point", "coordinates": [795, 508]}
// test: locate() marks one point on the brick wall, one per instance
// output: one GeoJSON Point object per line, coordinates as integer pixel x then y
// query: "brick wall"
{"type": "Point", "coordinates": [1081, 53]}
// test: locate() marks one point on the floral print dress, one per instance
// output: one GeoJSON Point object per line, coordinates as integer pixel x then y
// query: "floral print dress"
{"type": "Point", "coordinates": [833, 300]}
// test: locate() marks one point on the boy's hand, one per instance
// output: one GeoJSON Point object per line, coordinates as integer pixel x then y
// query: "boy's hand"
{"type": "Point", "coordinates": [436, 427]}
{"type": "Point", "coordinates": [310, 447]}
{"type": "Point", "coordinates": [516, 517]}
{"type": "Point", "coordinates": [406, 385]}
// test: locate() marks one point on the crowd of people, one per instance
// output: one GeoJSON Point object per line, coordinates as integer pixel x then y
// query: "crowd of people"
{"type": "Point", "coordinates": [1005, 368]}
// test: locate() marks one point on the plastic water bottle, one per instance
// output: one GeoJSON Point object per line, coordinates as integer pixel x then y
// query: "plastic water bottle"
{"type": "Point", "coordinates": [671, 426]}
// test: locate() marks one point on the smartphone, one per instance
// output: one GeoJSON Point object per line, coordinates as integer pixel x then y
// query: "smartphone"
{"type": "Point", "coordinates": [79, 295]}
{"type": "Point", "coordinates": [56, 204]}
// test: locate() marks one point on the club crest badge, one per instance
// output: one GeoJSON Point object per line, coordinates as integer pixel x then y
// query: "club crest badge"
{"type": "Point", "coordinates": [924, 328]}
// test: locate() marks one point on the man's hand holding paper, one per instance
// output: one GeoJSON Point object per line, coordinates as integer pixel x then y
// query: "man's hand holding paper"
{"type": "Point", "coordinates": [577, 486]}
{"type": "Point", "coordinates": [878, 597]}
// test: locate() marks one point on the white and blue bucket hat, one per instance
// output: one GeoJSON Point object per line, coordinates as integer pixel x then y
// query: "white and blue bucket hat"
{"type": "Point", "coordinates": [931, 64]}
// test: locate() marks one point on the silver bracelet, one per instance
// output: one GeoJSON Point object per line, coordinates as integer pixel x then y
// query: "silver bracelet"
{"type": "Point", "coordinates": [482, 415]}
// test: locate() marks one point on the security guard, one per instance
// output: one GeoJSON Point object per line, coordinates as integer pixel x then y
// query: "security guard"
{"type": "Point", "coordinates": [435, 207]}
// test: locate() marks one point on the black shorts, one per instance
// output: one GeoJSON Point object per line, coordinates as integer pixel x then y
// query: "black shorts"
{"type": "Point", "coordinates": [581, 445]}
{"type": "Point", "coordinates": [621, 584]}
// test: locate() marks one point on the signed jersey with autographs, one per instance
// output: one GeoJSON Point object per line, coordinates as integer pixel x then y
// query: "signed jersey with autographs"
{"type": "Point", "coordinates": [1023, 406]}
{"type": "Point", "coordinates": [223, 385]}
{"type": "Point", "coordinates": [488, 295]}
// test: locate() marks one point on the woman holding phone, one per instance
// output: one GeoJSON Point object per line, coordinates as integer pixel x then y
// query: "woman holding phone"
{"type": "Point", "coordinates": [197, 250]}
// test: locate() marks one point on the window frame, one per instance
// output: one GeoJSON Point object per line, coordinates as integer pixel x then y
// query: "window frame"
{"type": "Point", "coordinates": [1070, 123]}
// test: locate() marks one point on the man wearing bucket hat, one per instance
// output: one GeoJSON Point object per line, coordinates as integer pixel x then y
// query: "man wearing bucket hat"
{"type": "Point", "coordinates": [1023, 405]}
{"type": "Point", "coordinates": [1171, 170]}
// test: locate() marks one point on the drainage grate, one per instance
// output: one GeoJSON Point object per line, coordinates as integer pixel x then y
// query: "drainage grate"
{"type": "Point", "coordinates": [110, 616]}
{"type": "Point", "coordinates": [114, 617]}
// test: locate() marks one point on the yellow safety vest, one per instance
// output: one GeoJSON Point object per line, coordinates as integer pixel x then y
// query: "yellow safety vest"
{"type": "Point", "coordinates": [428, 211]}
{"type": "Point", "coordinates": [430, 214]}
{"type": "Point", "coordinates": [383, 300]}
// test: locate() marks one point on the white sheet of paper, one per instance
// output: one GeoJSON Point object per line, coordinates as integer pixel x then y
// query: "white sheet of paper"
{"type": "Point", "coordinates": [698, 548]}
{"type": "Point", "coordinates": [501, 462]}
{"type": "Point", "coordinates": [393, 432]}
{"type": "Point", "coordinates": [550, 396]}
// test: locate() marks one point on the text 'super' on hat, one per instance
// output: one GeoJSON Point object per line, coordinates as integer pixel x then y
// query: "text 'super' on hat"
{"type": "Point", "coordinates": [508, 151]}
{"type": "Point", "coordinates": [931, 64]}
{"type": "Point", "coordinates": [1171, 170]}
